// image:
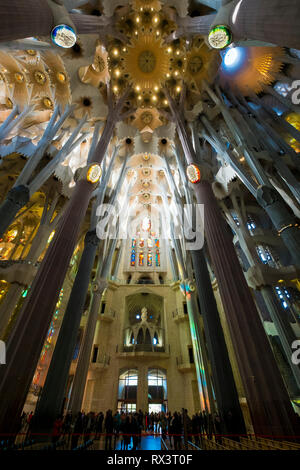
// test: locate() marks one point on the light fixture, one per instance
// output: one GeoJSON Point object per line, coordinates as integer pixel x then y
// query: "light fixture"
{"type": "Point", "coordinates": [94, 173]}
{"type": "Point", "coordinates": [219, 37]}
{"type": "Point", "coordinates": [231, 56]}
{"type": "Point", "coordinates": [64, 36]}
{"type": "Point", "coordinates": [193, 173]}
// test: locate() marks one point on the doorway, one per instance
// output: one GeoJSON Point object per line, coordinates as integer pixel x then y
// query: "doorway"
{"type": "Point", "coordinates": [155, 407]}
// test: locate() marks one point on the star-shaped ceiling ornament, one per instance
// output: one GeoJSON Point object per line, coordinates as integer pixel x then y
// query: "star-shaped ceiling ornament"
{"type": "Point", "coordinates": [146, 117]}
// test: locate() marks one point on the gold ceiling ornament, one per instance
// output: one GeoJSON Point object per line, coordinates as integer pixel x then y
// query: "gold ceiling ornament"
{"type": "Point", "coordinates": [146, 157]}
{"type": "Point", "coordinates": [146, 117]}
{"type": "Point", "coordinates": [201, 64]}
{"type": "Point", "coordinates": [146, 171]}
{"type": "Point", "coordinates": [48, 103]}
{"type": "Point", "coordinates": [13, 72]}
{"type": "Point", "coordinates": [8, 103]}
{"type": "Point", "coordinates": [61, 77]}
{"type": "Point", "coordinates": [19, 77]}
{"type": "Point", "coordinates": [147, 62]}
{"type": "Point", "coordinates": [260, 67]}
{"type": "Point", "coordinates": [31, 52]}
{"type": "Point", "coordinates": [58, 78]}
{"type": "Point", "coordinates": [140, 5]}
{"type": "Point", "coordinates": [97, 72]}
{"type": "Point", "coordinates": [99, 64]}
{"type": "Point", "coordinates": [40, 77]}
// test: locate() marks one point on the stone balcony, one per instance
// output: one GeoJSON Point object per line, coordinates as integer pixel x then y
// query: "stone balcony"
{"type": "Point", "coordinates": [179, 316]}
{"type": "Point", "coordinates": [143, 350]}
{"type": "Point", "coordinates": [184, 365]}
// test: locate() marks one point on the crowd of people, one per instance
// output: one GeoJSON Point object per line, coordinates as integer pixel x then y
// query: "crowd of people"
{"type": "Point", "coordinates": [124, 430]}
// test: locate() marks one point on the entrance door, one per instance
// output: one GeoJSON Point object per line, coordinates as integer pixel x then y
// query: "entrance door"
{"type": "Point", "coordinates": [155, 407]}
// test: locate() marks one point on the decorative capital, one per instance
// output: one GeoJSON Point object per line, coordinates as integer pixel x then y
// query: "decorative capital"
{"type": "Point", "coordinates": [91, 173]}
{"type": "Point", "coordinates": [219, 37]}
{"type": "Point", "coordinates": [64, 32]}
{"type": "Point", "coordinates": [267, 196]}
{"type": "Point", "coordinates": [99, 286]}
{"type": "Point", "coordinates": [193, 173]}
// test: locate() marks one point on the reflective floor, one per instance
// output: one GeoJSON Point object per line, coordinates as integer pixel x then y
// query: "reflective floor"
{"type": "Point", "coordinates": [147, 443]}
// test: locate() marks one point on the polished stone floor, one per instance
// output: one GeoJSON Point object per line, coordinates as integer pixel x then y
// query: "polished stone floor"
{"type": "Point", "coordinates": [147, 443]}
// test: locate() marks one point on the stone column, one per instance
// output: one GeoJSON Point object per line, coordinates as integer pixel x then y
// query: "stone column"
{"type": "Point", "coordinates": [142, 389]}
{"type": "Point", "coordinates": [268, 400]}
{"type": "Point", "coordinates": [118, 260]}
{"type": "Point", "coordinates": [283, 327]}
{"type": "Point", "coordinates": [25, 18]}
{"type": "Point", "coordinates": [271, 410]}
{"type": "Point", "coordinates": [52, 396]}
{"type": "Point", "coordinates": [271, 21]}
{"type": "Point", "coordinates": [283, 220]}
{"type": "Point", "coordinates": [83, 363]}
{"type": "Point", "coordinates": [173, 263]}
{"type": "Point", "coordinates": [198, 347]}
{"type": "Point", "coordinates": [87, 343]}
{"type": "Point", "coordinates": [16, 198]}
{"type": "Point", "coordinates": [25, 344]}
{"type": "Point", "coordinates": [224, 384]}
{"type": "Point", "coordinates": [27, 339]}
{"type": "Point", "coordinates": [8, 305]}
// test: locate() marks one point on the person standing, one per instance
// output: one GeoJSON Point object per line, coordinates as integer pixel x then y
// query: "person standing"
{"type": "Point", "coordinates": [57, 429]}
{"type": "Point", "coordinates": [109, 427]}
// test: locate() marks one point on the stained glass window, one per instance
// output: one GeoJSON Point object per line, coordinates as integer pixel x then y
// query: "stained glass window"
{"type": "Point", "coordinates": [132, 261]}
{"type": "Point", "coordinates": [133, 245]}
{"type": "Point", "coordinates": [150, 243]}
{"type": "Point", "coordinates": [149, 259]}
{"type": "Point", "coordinates": [157, 258]}
{"type": "Point", "coordinates": [141, 259]}
{"type": "Point", "coordinates": [156, 243]}
{"type": "Point", "coordinates": [142, 243]}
